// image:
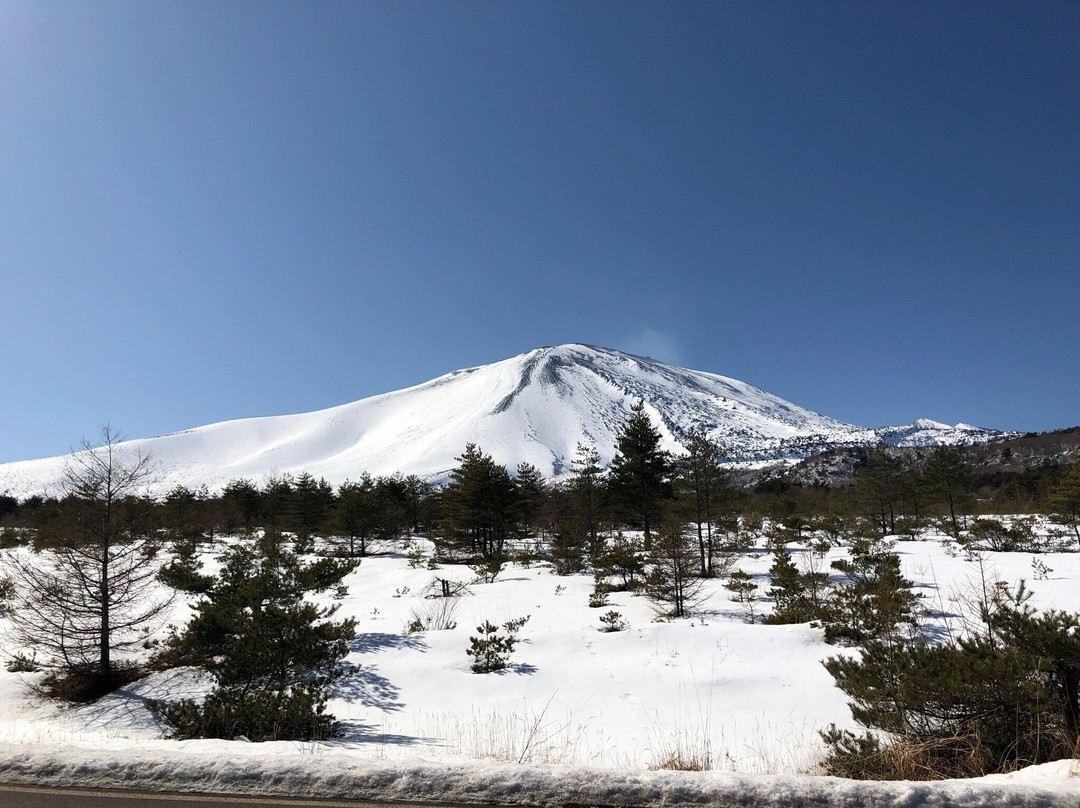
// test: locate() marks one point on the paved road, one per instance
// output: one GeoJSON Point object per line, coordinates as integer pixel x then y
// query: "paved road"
{"type": "Point", "coordinates": [33, 797]}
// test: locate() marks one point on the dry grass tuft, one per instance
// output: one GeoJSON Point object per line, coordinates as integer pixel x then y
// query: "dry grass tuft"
{"type": "Point", "coordinates": [685, 760]}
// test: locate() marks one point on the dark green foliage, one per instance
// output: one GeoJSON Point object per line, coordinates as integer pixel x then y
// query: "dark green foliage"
{"type": "Point", "coordinates": [8, 505]}
{"type": "Point", "coordinates": [488, 569]}
{"type": "Point", "coordinates": [308, 507]}
{"type": "Point", "coordinates": [857, 757]}
{"type": "Point", "coordinates": [879, 486]}
{"type": "Point", "coordinates": [587, 490]}
{"type": "Point", "coordinates": [182, 573]}
{"type": "Point", "coordinates": [266, 646]}
{"type": "Point", "coordinates": [575, 507]}
{"type": "Point", "coordinates": [491, 650]}
{"type": "Point", "coordinates": [354, 516]}
{"type": "Point", "coordinates": [599, 595]}
{"type": "Point", "coordinates": [479, 506]}
{"type": "Point", "coordinates": [568, 550]}
{"type": "Point", "coordinates": [380, 508]}
{"type": "Point", "coordinates": [277, 501]}
{"type": "Point", "coordinates": [298, 713]}
{"type": "Point", "coordinates": [995, 535]}
{"type": "Point", "coordinates": [876, 602]}
{"type": "Point", "coordinates": [11, 537]}
{"type": "Point", "coordinates": [241, 506]}
{"type": "Point", "coordinates": [612, 621]}
{"type": "Point", "coordinates": [7, 592]}
{"type": "Point", "coordinates": [981, 704]}
{"type": "Point", "coordinates": [1065, 498]}
{"type": "Point", "coordinates": [743, 591]}
{"type": "Point", "coordinates": [529, 494]}
{"type": "Point", "coordinates": [703, 493]}
{"type": "Point", "coordinates": [948, 478]}
{"type": "Point", "coordinates": [622, 560]}
{"type": "Point", "coordinates": [20, 662]}
{"type": "Point", "coordinates": [641, 470]}
{"type": "Point", "coordinates": [184, 516]}
{"type": "Point", "coordinates": [793, 603]}
{"type": "Point", "coordinates": [673, 583]}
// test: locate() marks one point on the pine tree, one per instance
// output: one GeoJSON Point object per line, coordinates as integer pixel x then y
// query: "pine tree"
{"type": "Point", "coordinates": [271, 652]}
{"type": "Point", "coordinates": [586, 487]}
{"type": "Point", "coordinates": [967, 707]}
{"type": "Point", "coordinates": [578, 532]}
{"type": "Point", "coordinates": [879, 484]}
{"type": "Point", "coordinates": [353, 514]}
{"type": "Point", "coordinates": [641, 470]}
{"type": "Point", "coordinates": [529, 493]}
{"type": "Point", "coordinates": [876, 603]}
{"type": "Point", "coordinates": [948, 476]}
{"type": "Point", "coordinates": [672, 583]}
{"type": "Point", "coordinates": [308, 507]}
{"type": "Point", "coordinates": [624, 559]}
{"type": "Point", "coordinates": [743, 591]}
{"type": "Point", "coordinates": [184, 516]}
{"type": "Point", "coordinates": [788, 591]}
{"type": "Point", "coordinates": [1065, 497]}
{"type": "Point", "coordinates": [241, 506]}
{"type": "Point", "coordinates": [479, 505]}
{"type": "Point", "coordinates": [396, 505]}
{"type": "Point", "coordinates": [701, 485]}
{"type": "Point", "coordinates": [275, 495]}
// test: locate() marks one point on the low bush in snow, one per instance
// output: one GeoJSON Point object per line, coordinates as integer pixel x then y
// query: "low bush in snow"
{"type": "Point", "coordinates": [996, 700]}
{"type": "Point", "coordinates": [491, 650]}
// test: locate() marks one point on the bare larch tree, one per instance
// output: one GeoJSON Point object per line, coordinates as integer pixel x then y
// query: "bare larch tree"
{"type": "Point", "coordinates": [89, 590]}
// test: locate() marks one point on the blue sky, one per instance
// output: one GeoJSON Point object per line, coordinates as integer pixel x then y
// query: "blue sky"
{"type": "Point", "coordinates": [211, 211]}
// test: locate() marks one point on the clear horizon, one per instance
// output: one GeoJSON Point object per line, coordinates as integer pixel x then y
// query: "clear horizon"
{"type": "Point", "coordinates": [220, 211]}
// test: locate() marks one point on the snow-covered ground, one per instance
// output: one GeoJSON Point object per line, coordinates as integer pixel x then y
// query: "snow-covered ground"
{"type": "Point", "coordinates": [750, 697]}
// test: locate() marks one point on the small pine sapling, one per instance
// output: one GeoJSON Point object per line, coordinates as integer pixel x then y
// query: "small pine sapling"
{"type": "Point", "coordinates": [743, 591]}
{"type": "Point", "coordinates": [612, 621]}
{"type": "Point", "coordinates": [488, 569]}
{"type": "Point", "coordinates": [599, 595]}
{"type": "Point", "coordinates": [491, 650]}
{"type": "Point", "coordinates": [415, 555]}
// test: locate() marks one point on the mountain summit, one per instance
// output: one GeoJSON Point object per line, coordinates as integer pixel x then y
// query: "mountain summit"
{"type": "Point", "coordinates": [535, 408]}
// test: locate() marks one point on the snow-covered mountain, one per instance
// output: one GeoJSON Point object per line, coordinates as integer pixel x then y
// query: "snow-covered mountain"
{"type": "Point", "coordinates": [533, 408]}
{"type": "Point", "coordinates": [924, 432]}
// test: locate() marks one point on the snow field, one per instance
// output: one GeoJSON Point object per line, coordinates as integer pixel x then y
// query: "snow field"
{"type": "Point", "coordinates": [744, 699]}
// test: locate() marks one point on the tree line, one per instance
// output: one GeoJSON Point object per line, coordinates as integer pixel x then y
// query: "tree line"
{"type": "Point", "coordinates": [652, 522]}
{"type": "Point", "coordinates": [485, 505]}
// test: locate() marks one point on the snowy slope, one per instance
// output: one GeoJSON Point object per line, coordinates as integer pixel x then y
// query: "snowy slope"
{"type": "Point", "coordinates": [533, 408]}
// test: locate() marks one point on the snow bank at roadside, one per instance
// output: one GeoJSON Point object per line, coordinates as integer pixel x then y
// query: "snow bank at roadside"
{"type": "Point", "coordinates": [222, 767]}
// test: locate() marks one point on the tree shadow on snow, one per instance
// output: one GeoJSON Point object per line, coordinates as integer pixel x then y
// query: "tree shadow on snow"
{"type": "Point", "coordinates": [116, 709]}
{"type": "Point", "coordinates": [520, 667]}
{"type": "Point", "coordinates": [357, 732]}
{"type": "Point", "coordinates": [369, 687]}
{"type": "Point", "coordinates": [381, 641]}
